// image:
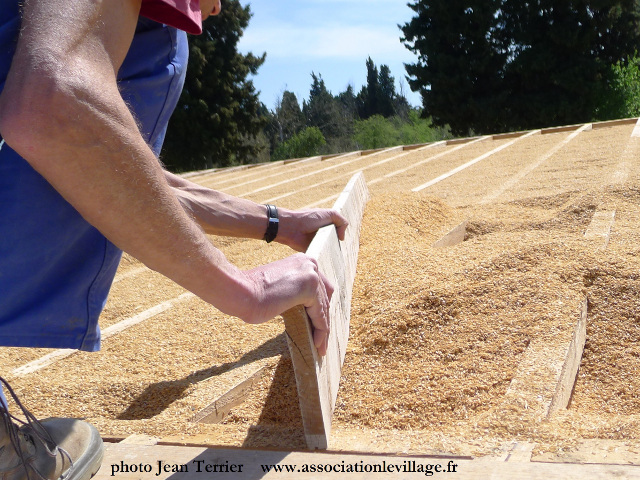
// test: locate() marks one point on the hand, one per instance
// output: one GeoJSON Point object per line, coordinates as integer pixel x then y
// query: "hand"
{"type": "Point", "coordinates": [293, 281]}
{"type": "Point", "coordinates": [298, 227]}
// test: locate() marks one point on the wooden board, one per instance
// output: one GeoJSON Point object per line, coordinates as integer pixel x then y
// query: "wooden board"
{"type": "Point", "coordinates": [124, 462]}
{"type": "Point", "coordinates": [532, 166]}
{"type": "Point", "coordinates": [473, 162]}
{"type": "Point", "coordinates": [600, 227]}
{"type": "Point", "coordinates": [596, 450]}
{"type": "Point", "coordinates": [547, 372]}
{"type": "Point", "coordinates": [565, 128]}
{"type": "Point", "coordinates": [454, 237]}
{"type": "Point", "coordinates": [317, 378]}
{"type": "Point", "coordinates": [221, 406]}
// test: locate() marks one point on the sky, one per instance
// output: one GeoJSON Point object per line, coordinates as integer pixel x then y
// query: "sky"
{"type": "Point", "coordinates": [332, 38]}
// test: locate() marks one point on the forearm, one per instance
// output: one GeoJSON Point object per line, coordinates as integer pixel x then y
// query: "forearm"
{"type": "Point", "coordinates": [222, 214]}
{"type": "Point", "coordinates": [61, 110]}
{"type": "Point", "coordinates": [219, 213]}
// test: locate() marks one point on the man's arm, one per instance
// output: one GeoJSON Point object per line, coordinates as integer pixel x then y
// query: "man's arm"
{"type": "Point", "coordinates": [222, 214]}
{"type": "Point", "coordinates": [61, 110]}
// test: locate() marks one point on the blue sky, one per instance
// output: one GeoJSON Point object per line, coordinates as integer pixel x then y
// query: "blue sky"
{"type": "Point", "coordinates": [332, 38]}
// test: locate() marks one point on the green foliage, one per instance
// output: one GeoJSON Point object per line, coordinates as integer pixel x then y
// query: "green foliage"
{"type": "Point", "coordinates": [324, 111]}
{"type": "Point", "coordinates": [289, 116]}
{"type": "Point", "coordinates": [624, 98]}
{"type": "Point", "coordinates": [379, 96]}
{"type": "Point", "coordinates": [500, 65]}
{"type": "Point", "coordinates": [459, 63]}
{"type": "Point", "coordinates": [375, 132]}
{"type": "Point", "coordinates": [217, 119]}
{"type": "Point", "coordinates": [379, 132]}
{"type": "Point", "coordinates": [307, 143]}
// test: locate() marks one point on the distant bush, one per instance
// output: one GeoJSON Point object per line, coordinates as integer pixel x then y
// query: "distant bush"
{"type": "Point", "coordinates": [623, 98]}
{"type": "Point", "coordinates": [379, 132]}
{"type": "Point", "coordinates": [306, 143]}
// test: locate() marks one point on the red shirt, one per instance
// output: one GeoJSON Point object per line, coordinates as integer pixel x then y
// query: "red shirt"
{"type": "Point", "coordinates": [182, 14]}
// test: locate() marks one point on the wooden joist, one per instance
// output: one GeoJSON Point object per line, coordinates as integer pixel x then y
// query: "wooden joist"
{"type": "Point", "coordinates": [221, 406]}
{"type": "Point", "coordinates": [317, 378]}
{"type": "Point", "coordinates": [545, 377]}
{"type": "Point", "coordinates": [453, 237]}
{"type": "Point", "coordinates": [135, 462]}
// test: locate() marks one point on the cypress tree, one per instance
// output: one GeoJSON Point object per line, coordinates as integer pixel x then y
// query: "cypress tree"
{"type": "Point", "coordinates": [219, 108]}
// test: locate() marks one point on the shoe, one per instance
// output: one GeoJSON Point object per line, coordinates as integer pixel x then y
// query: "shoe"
{"type": "Point", "coordinates": [55, 448]}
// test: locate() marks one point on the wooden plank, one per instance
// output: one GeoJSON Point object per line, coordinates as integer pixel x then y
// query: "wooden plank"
{"type": "Point", "coordinates": [458, 141]}
{"type": "Point", "coordinates": [529, 168]}
{"type": "Point", "coordinates": [620, 452]}
{"type": "Point", "coordinates": [615, 123]}
{"type": "Point", "coordinates": [573, 357]}
{"type": "Point", "coordinates": [383, 149]}
{"type": "Point", "coordinates": [221, 406]}
{"type": "Point", "coordinates": [317, 158]}
{"type": "Point", "coordinates": [600, 227]}
{"type": "Point", "coordinates": [454, 237]}
{"type": "Point", "coordinates": [521, 452]}
{"type": "Point", "coordinates": [317, 378]}
{"type": "Point", "coordinates": [140, 439]}
{"type": "Point", "coordinates": [472, 162]}
{"type": "Point", "coordinates": [415, 146]}
{"type": "Point", "coordinates": [504, 136]}
{"type": "Point", "coordinates": [125, 462]}
{"type": "Point", "coordinates": [545, 377]}
{"type": "Point", "coordinates": [566, 128]}
{"type": "Point", "coordinates": [59, 354]}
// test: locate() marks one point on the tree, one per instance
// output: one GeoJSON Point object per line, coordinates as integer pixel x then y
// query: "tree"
{"type": "Point", "coordinates": [288, 116]}
{"type": "Point", "coordinates": [459, 66]}
{"type": "Point", "coordinates": [563, 52]}
{"type": "Point", "coordinates": [324, 111]}
{"type": "Point", "coordinates": [386, 92]}
{"type": "Point", "coordinates": [624, 100]}
{"type": "Point", "coordinates": [378, 96]}
{"type": "Point", "coordinates": [304, 144]}
{"type": "Point", "coordinates": [498, 65]}
{"type": "Point", "coordinates": [217, 116]}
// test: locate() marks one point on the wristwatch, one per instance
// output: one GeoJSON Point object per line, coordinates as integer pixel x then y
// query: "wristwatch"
{"type": "Point", "coordinates": [272, 226]}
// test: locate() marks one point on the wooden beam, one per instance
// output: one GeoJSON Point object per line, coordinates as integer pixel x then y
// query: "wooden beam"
{"type": "Point", "coordinates": [474, 161]}
{"type": "Point", "coordinates": [600, 227]}
{"type": "Point", "coordinates": [135, 462]}
{"type": "Point", "coordinates": [615, 123]}
{"type": "Point", "coordinates": [317, 378]}
{"type": "Point", "coordinates": [547, 372]}
{"type": "Point", "coordinates": [566, 128]}
{"type": "Point", "coordinates": [595, 450]}
{"type": "Point", "coordinates": [221, 406]}
{"type": "Point", "coordinates": [569, 371]}
{"type": "Point", "coordinates": [454, 237]}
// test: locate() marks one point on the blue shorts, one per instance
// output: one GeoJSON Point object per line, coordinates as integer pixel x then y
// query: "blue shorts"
{"type": "Point", "coordinates": [55, 268]}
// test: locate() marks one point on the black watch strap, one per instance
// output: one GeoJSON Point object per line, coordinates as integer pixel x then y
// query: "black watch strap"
{"type": "Point", "coordinates": [272, 226]}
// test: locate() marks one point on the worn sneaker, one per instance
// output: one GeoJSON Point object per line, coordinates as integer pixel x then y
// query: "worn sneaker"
{"type": "Point", "coordinates": [55, 448]}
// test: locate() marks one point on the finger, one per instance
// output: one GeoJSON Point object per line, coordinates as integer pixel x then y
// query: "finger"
{"type": "Point", "coordinates": [340, 222]}
{"type": "Point", "coordinates": [318, 309]}
{"type": "Point", "coordinates": [321, 341]}
{"type": "Point", "coordinates": [328, 286]}
{"type": "Point", "coordinates": [321, 336]}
